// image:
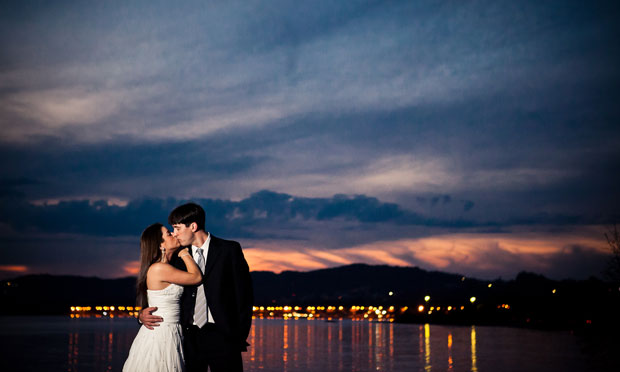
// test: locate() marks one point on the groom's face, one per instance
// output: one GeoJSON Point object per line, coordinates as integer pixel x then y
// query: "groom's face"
{"type": "Point", "coordinates": [185, 234]}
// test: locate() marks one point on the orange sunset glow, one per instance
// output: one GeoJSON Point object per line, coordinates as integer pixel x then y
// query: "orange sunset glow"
{"type": "Point", "coordinates": [451, 252]}
{"type": "Point", "coordinates": [132, 267]}
{"type": "Point", "coordinates": [14, 268]}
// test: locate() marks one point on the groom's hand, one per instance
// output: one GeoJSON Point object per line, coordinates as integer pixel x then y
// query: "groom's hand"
{"type": "Point", "coordinates": [148, 319]}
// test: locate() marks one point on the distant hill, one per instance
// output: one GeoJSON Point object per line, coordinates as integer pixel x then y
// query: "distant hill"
{"type": "Point", "coordinates": [532, 299]}
{"type": "Point", "coordinates": [352, 284]}
{"type": "Point", "coordinates": [49, 294]}
{"type": "Point", "coordinates": [360, 284]}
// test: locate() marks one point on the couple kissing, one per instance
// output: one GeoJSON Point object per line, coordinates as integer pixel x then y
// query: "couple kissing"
{"type": "Point", "coordinates": [196, 295]}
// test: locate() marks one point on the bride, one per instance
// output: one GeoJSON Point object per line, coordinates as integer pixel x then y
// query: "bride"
{"type": "Point", "coordinates": [160, 285]}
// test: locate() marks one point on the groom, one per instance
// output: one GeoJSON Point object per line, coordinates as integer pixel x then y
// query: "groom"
{"type": "Point", "coordinates": [217, 314]}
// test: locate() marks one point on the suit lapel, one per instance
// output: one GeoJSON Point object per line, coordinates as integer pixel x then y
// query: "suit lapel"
{"type": "Point", "coordinates": [215, 249]}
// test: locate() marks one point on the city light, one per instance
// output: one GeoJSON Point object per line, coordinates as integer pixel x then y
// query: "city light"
{"type": "Point", "coordinates": [319, 312]}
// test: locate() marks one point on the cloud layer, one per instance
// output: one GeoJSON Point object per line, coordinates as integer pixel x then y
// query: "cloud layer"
{"type": "Point", "coordinates": [284, 232]}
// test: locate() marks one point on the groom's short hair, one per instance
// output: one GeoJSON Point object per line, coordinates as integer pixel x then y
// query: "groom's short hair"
{"type": "Point", "coordinates": [186, 214]}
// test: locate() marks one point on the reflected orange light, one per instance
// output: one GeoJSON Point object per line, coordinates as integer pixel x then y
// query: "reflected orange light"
{"type": "Point", "coordinates": [474, 355]}
{"type": "Point", "coordinates": [450, 361]}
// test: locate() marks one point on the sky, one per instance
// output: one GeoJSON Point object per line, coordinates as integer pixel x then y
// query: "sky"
{"type": "Point", "coordinates": [472, 137]}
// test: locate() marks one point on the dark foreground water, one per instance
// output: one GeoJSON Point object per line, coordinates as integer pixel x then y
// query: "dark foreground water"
{"type": "Point", "coordinates": [89, 344]}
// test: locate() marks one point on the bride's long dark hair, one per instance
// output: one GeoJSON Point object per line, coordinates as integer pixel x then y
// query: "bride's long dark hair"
{"type": "Point", "coordinates": [150, 242]}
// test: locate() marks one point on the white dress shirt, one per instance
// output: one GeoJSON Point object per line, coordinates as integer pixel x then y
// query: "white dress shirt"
{"type": "Point", "coordinates": [205, 252]}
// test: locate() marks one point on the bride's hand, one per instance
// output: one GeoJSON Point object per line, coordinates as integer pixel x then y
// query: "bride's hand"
{"type": "Point", "coordinates": [184, 251]}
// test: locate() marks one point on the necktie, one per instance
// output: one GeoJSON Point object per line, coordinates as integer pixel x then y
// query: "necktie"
{"type": "Point", "coordinates": [200, 310]}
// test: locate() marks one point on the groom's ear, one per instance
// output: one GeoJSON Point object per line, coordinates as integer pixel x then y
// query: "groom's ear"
{"type": "Point", "coordinates": [193, 226]}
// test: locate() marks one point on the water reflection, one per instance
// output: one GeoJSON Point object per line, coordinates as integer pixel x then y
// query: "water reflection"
{"type": "Point", "coordinates": [73, 351]}
{"type": "Point", "coordinates": [285, 347]}
{"type": "Point", "coordinates": [474, 367]}
{"type": "Point", "coordinates": [303, 345]}
{"type": "Point", "coordinates": [427, 348]}
{"type": "Point", "coordinates": [98, 344]}
{"type": "Point", "coordinates": [450, 361]}
{"type": "Point", "coordinates": [346, 345]}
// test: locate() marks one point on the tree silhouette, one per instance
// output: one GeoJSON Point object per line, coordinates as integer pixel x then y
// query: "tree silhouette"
{"type": "Point", "coordinates": [613, 239]}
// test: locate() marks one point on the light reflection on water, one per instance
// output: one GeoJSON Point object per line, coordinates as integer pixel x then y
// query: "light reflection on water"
{"type": "Point", "coordinates": [302, 345]}
{"type": "Point", "coordinates": [474, 368]}
{"type": "Point", "coordinates": [62, 344]}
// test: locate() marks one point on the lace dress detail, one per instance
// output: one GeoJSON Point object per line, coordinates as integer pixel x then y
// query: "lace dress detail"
{"type": "Point", "coordinates": [161, 349]}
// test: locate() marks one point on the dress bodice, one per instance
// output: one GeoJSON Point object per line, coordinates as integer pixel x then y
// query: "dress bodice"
{"type": "Point", "coordinates": [167, 301]}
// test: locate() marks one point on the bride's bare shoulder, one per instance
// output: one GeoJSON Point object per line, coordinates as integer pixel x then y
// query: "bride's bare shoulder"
{"type": "Point", "coordinates": [157, 267]}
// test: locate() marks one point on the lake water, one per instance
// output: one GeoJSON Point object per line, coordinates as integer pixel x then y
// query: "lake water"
{"type": "Point", "coordinates": [91, 344]}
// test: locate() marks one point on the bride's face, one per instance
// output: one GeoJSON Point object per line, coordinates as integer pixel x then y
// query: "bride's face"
{"type": "Point", "coordinates": [169, 242]}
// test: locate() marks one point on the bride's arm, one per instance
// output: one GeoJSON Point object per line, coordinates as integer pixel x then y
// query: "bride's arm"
{"type": "Point", "coordinates": [170, 274]}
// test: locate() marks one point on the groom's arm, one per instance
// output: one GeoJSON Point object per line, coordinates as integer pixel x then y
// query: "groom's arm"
{"type": "Point", "coordinates": [244, 293]}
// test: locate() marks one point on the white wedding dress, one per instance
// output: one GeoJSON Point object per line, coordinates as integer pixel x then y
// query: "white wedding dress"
{"type": "Point", "coordinates": [161, 349]}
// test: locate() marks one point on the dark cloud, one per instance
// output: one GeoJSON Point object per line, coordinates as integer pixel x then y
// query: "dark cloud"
{"type": "Point", "coordinates": [259, 216]}
{"type": "Point", "coordinates": [10, 187]}
{"type": "Point", "coordinates": [227, 217]}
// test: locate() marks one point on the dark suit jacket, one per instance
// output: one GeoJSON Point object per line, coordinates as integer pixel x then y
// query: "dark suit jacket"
{"type": "Point", "coordinates": [228, 289]}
